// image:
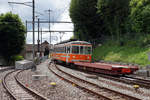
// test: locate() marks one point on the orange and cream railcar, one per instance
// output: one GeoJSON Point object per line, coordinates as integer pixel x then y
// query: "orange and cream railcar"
{"type": "Point", "coordinates": [71, 52]}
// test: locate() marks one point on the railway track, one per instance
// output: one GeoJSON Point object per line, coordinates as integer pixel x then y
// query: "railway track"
{"type": "Point", "coordinates": [91, 87]}
{"type": "Point", "coordinates": [124, 79]}
{"type": "Point", "coordinates": [139, 81]}
{"type": "Point", "coordinates": [2, 69]}
{"type": "Point", "coordinates": [18, 90]}
{"type": "Point", "coordinates": [129, 80]}
{"type": "Point", "coordinates": [3, 93]}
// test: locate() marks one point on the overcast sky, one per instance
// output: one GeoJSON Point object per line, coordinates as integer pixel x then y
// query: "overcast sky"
{"type": "Point", "coordinates": [59, 12]}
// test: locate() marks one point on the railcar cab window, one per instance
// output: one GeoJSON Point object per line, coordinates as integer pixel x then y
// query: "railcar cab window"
{"type": "Point", "coordinates": [75, 49]}
{"type": "Point", "coordinates": [68, 49]}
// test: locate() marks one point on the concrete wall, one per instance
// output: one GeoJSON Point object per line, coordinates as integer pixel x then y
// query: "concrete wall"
{"type": "Point", "coordinates": [24, 64]}
{"type": "Point", "coordinates": [29, 56]}
{"type": "Point", "coordinates": [2, 62]}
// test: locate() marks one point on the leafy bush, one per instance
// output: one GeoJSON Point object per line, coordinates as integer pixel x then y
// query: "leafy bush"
{"type": "Point", "coordinates": [17, 58]}
{"type": "Point", "coordinates": [12, 36]}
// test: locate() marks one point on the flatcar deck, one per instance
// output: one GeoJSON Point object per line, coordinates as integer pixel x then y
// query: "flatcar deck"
{"type": "Point", "coordinates": [105, 68]}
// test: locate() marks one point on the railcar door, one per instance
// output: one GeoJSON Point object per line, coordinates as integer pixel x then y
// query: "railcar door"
{"type": "Point", "coordinates": [68, 48]}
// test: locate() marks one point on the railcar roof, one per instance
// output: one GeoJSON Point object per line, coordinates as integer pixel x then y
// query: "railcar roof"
{"type": "Point", "coordinates": [66, 41]}
{"type": "Point", "coordinates": [79, 42]}
{"type": "Point", "coordinates": [74, 42]}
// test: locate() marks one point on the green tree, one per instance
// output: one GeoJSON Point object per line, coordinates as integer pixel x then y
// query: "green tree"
{"type": "Point", "coordinates": [85, 18]}
{"type": "Point", "coordinates": [140, 16]}
{"type": "Point", "coordinates": [114, 13]}
{"type": "Point", "coordinates": [12, 35]}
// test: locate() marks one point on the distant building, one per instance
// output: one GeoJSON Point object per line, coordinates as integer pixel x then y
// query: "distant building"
{"type": "Point", "coordinates": [28, 52]}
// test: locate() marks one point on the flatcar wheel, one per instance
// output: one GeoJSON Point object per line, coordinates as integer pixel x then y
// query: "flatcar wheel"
{"type": "Point", "coordinates": [72, 65]}
{"type": "Point", "coordinates": [123, 75]}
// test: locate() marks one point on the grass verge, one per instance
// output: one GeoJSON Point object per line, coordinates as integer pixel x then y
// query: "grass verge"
{"type": "Point", "coordinates": [127, 53]}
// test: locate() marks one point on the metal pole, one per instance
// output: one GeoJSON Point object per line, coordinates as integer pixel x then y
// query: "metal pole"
{"type": "Point", "coordinates": [26, 26]}
{"type": "Point", "coordinates": [60, 36]}
{"type": "Point", "coordinates": [33, 26]}
{"type": "Point", "coordinates": [49, 25]}
{"type": "Point", "coordinates": [41, 41]}
{"type": "Point", "coordinates": [26, 31]}
{"type": "Point", "coordinates": [38, 36]}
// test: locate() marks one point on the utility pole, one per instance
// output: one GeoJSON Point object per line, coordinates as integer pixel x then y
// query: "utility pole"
{"type": "Point", "coordinates": [26, 26]}
{"type": "Point", "coordinates": [33, 27]}
{"type": "Point", "coordinates": [49, 12]}
{"type": "Point", "coordinates": [26, 31]}
{"type": "Point", "coordinates": [38, 41]}
{"type": "Point", "coordinates": [41, 42]}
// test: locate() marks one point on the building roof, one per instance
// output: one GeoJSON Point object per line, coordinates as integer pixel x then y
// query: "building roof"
{"type": "Point", "coordinates": [45, 42]}
{"type": "Point", "coordinates": [29, 47]}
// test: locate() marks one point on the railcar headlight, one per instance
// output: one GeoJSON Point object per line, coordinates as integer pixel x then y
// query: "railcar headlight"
{"type": "Point", "coordinates": [74, 57]}
{"type": "Point", "coordinates": [88, 57]}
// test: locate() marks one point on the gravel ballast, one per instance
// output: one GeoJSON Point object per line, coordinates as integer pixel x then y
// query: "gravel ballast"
{"type": "Point", "coordinates": [142, 93]}
{"type": "Point", "coordinates": [66, 91]}
{"type": "Point", "coordinates": [62, 91]}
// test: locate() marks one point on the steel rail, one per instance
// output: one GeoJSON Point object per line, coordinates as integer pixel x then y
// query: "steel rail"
{"type": "Point", "coordinates": [79, 86]}
{"type": "Point", "coordinates": [125, 79]}
{"type": "Point", "coordinates": [6, 69]}
{"type": "Point", "coordinates": [32, 92]}
{"type": "Point", "coordinates": [29, 89]}
{"type": "Point", "coordinates": [142, 82]}
{"type": "Point", "coordinates": [6, 87]}
{"type": "Point", "coordinates": [139, 79]}
{"type": "Point", "coordinates": [121, 94]}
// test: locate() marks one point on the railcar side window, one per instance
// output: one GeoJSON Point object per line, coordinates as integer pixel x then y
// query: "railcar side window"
{"type": "Point", "coordinates": [81, 50]}
{"type": "Point", "coordinates": [75, 49]}
{"type": "Point", "coordinates": [88, 50]}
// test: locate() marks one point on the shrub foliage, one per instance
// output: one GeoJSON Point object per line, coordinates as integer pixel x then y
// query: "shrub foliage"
{"type": "Point", "coordinates": [12, 35]}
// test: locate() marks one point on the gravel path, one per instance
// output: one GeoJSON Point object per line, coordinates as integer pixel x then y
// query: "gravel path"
{"type": "Point", "coordinates": [62, 91]}
{"type": "Point", "coordinates": [3, 93]}
{"type": "Point", "coordinates": [142, 93]}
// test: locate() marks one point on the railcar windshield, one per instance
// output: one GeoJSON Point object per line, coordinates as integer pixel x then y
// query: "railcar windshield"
{"type": "Point", "coordinates": [68, 49]}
